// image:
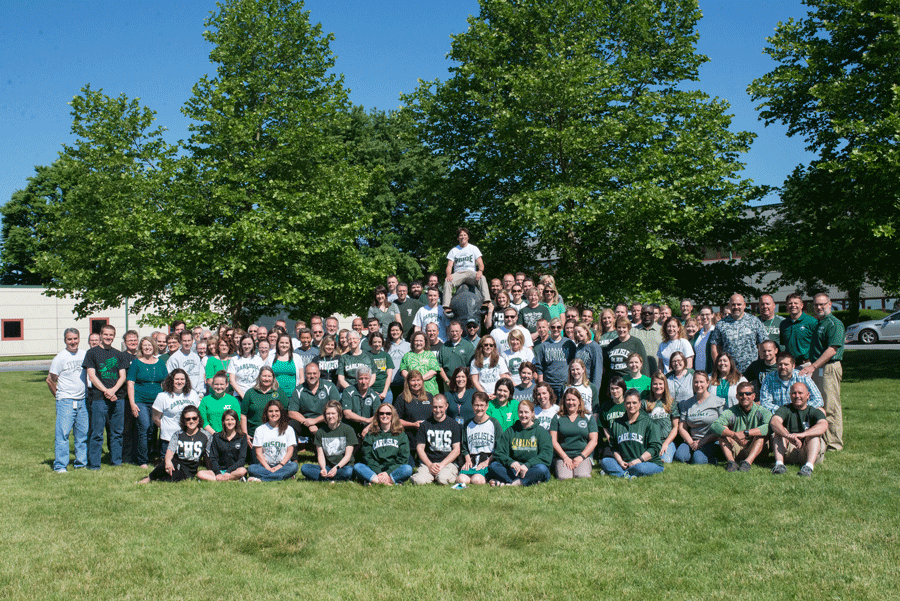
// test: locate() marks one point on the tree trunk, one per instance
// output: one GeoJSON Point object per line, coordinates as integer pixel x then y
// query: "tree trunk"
{"type": "Point", "coordinates": [853, 299]}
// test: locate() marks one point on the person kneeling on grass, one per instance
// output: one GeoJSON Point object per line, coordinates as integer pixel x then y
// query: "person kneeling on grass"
{"type": "Point", "coordinates": [187, 448]}
{"type": "Point", "coordinates": [227, 451]}
{"type": "Point", "coordinates": [385, 450]}
{"type": "Point", "coordinates": [479, 438]}
{"type": "Point", "coordinates": [742, 429]}
{"type": "Point", "coordinates": [437, 446]}
{"type": "Point", "coordinates": [524, 452]}
{"type": "Point", "coordinates": [797, 431]}
{"type": "Point", "coordinates": [635, 442]}
{"type": "Point", "coordinates": [335, 442]}
{"type": "Point", "coordinates": [274, 444]}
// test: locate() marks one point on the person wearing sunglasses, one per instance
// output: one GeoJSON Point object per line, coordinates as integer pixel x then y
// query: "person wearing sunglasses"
{"type": "Point", "coordinates": [385, 450]}
{"type": "Point", "coordinates": [488, 366]}
{"type": "Point", "coordinates": [743, 430]}
{"type": "Point", "coordinates": [187, 449]}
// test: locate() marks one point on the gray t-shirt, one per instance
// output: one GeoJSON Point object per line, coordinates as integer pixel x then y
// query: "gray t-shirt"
{"type": "Point", "coordinates": [698, 417]}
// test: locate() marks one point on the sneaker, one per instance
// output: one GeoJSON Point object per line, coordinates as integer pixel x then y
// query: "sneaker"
{"type": "Point", "coordinates": [62, 470]}
{"type": "Point", "coordinates": [253, 479]}
{"type": "Point", "coordinates": [805, 471]}
{"type": "Point", "coordinates": [779, 470]}
{"type": "Point", "coordinates": [745, 466]}
{"type": "Point", "coordinates": [731, 467]}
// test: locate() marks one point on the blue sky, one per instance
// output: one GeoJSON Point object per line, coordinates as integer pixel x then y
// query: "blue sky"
{"type": "Point", "coordinates": [154, 50]}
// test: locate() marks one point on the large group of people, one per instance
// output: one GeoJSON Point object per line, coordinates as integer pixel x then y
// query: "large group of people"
{"type": "Point", "coordinates": [526, 389]}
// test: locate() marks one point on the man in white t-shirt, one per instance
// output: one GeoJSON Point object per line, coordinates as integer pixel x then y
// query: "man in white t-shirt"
{"type": "Point", "coordinates": [67, 381]}
{"type": "Point", "coordinates": [500, 334]}
{"type": "Point", "coordinates": [189, 361]}
{"type": "Point", "coordinates": [432, 313]}
{"type": "Point", "coordinates": [464, 265]}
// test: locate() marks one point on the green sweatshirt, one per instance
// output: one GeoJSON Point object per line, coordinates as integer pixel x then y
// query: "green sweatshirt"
{"type": "Point", "coordinates": [385, 452]}
{"type": "Point", "coordinates": [737, 420]}
{"type": "Point", "coordinates": [528, 446]}
{"type": "Point", "coordinates": [631, 440]}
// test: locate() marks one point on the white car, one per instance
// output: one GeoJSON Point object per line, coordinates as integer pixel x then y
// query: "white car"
{"type": "Point", "coordinates": [872, 331]}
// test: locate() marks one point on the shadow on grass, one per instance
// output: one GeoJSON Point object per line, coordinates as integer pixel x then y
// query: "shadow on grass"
{"type": "Point", "coordinates": [860, 366]}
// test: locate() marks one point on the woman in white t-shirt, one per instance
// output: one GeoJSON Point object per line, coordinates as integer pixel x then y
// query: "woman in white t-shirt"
{"type": "Point", "coordinates": [274, 443]}
{"type": "Point", "coordinates": [517, 354]}
{"type": "Point", "coordinates": [487, 366]}
{"type": "Point", "coordinates": [674, 339]}
{"type": "Point", "coordinates": [244, 369]}
{"type": "Point", "coordinates": [169, 404]}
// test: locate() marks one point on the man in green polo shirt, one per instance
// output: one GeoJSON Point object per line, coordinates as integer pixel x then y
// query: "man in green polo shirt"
{"type": "Point", "coordinates": [826, 349]}
{"type": "Point", "coordinates": [797, 329]}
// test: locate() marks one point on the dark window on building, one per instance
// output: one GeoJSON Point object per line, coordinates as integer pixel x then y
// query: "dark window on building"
{"type": "Point", "coordinates": [97, 324]}
{"type": "Point", "coordinates": [12, 329]}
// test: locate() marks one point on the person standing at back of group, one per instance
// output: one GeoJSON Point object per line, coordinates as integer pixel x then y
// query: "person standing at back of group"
{"type": "Point", "coordinates": [67, 381]}
{"type": "Point", "coordinates": [186, 359]}
{"type": "Point", "coordinates": [738, 335]}
{"type": "Point", "coordinates": [770, 321]}
{"type": "Point", "coordinates": [826, 350]}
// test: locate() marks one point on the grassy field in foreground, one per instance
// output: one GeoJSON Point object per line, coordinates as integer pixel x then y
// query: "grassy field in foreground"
{"type": "Point", "coordinates": [690, 533]}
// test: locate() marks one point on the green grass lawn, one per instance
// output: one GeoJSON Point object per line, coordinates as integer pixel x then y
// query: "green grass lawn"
{"type": "Point", "coordinates": [693, 532]}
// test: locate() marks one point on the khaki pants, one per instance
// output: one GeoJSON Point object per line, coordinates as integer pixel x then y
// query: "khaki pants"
{"type": "Point", "coordinates": [446, 476]}
{"type": "Point", "coordinates": [829, 383]}
{"type": "Point", "coordinates": [797, 456]}
{"type": "Point", "coordinates": [465, 277]}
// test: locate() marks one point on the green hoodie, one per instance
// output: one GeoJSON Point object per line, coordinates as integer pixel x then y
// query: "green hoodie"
{"type": "Point", "coordinates": [528, 446]}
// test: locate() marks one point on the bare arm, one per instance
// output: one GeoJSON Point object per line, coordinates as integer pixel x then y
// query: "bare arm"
{"type": "Point", "coordinates": [51, 382]}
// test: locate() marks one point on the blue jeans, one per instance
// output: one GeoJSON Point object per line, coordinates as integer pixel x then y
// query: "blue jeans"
{"type": "Point", "coordinates": [312, 471]}
{"type": "Point", "coordinates": [645, 468]}
{"type": "Point", "coordinates": [703, 455]}
{"type": "Point", "coordinates": [389, 397]}
{"type": "Point", "coordinates": [399, 475]}
{"type": "Point", "coordinates": [144, 424]}
{"type": "Point", "coordinates": [285, 472]}
{"type": "Point", "coordinates": [101, 412]}
{"type": "Point", "coordinates": [669, 455]}
{"type": "Point", "coordinates": [67, 419]}
{"type": "Point", "coordinates": [536, 474]}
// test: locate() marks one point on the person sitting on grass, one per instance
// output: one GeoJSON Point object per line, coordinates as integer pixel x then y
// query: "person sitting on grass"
{"type": "Point", "coordinates": [227, 451]}
{"type": "Point", "coordinates": [385, 450]}
{"type": "Point", "coordinates": [335, 442]}
{"type": "Point", "coordinates": [524, 452]}
{"type": "Point", "coordinates": [696, 416]}
{"type": "Point", "coordinates": [663, 410]}
{"type": "Point", "coordinates": [797, 431]}
{"type": "Point", "coordinates": [274, 444]}
{"type": "Point", "coordinates": [635, 442]}
{"type": "Point", "coordinates": [742, 429]}
{"type": "Point", "coordinates": [187, 448]}
{"type": "Point", "coordinates": [479, 438]}
{"type": "Point", "coordinates": [438, 443]}
{"type": "Point", "coordinates": [574, 436]}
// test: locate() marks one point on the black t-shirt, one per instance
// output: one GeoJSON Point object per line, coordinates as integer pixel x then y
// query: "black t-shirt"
{"type": "Point", "coordinates": [438, 438]}
{"type": "Point", "coordinates": [413, 411]}
{"type": "Point", "coordinates": [191, 449]}
{"type": "Point", "coordinates": [106, 363]}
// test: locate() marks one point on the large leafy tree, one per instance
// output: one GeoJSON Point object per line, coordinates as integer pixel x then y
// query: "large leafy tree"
{"type": "Point", "coordinates": [836, 85]}
{"type": "Point", "coordinates": [577, 145]}
{"type": "Point", "coordinates": [259, 212]}
{"type": "Point", "coordinates": [24, 214]}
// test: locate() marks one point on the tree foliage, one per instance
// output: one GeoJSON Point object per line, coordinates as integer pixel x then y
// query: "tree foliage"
{"type": "Point", "coordinates": [23, 215]}
{"type": "Point", "coordinates": [258, 212]}
{"type": "Point", "coordinates": [837, 86]}
{"type": "Point", "coordinates": [573, 138]}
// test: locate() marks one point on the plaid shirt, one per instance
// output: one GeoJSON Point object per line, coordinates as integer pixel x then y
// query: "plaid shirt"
{"type": "Point", "coordinates": [776, 392]}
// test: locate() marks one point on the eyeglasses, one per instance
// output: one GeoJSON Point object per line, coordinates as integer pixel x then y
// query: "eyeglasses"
{"type": "Point", "coordinates": [191, 419]}
{"type": "Point", "coordinates": [555, 327]}
{"type": "Point", "coordinates": [744, 394]}
{"type": "Point", "coordinates": [384, 414]}
{"type": "Point", "coordinates": [487, 345]}
{"type": "Point", "coordinates": [516, 290]}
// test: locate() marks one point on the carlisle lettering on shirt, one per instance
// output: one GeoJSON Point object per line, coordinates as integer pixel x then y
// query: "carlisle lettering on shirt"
{"type": "Point", "coordinates": [523, 443]}
{"type": "Point", "coordinates": [386, 442]}
{"type": "Point", "coordinates": [631, 436]}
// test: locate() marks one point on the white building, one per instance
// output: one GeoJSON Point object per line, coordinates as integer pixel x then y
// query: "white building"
{"type": "Point", "coordinates": [33, 324]}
